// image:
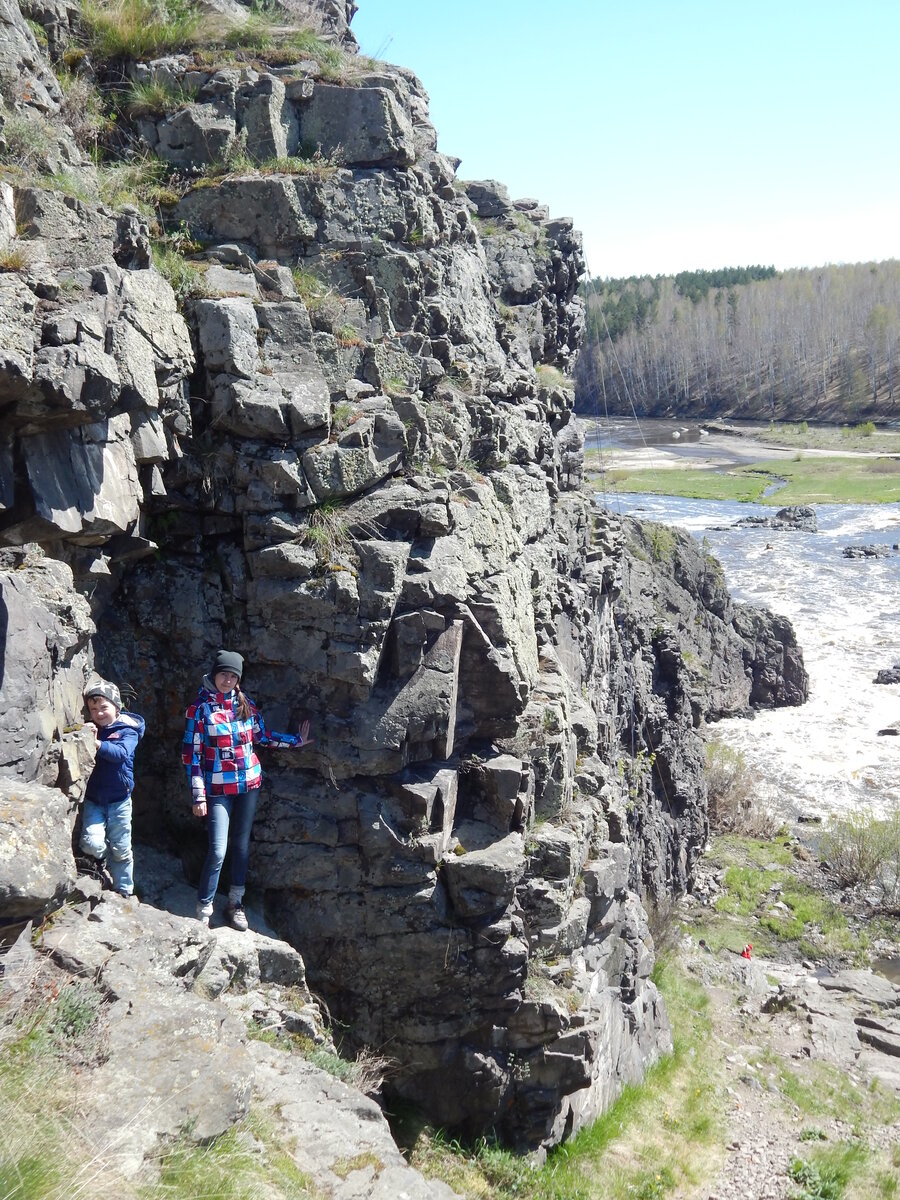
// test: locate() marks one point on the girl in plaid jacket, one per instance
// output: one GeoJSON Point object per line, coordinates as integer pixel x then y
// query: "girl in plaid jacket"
{"type": "Point", "coordinates": [224, 772]}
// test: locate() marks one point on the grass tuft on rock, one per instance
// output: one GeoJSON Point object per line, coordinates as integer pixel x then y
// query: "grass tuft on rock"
{"type": "Point", "coordinates": [123, 29]}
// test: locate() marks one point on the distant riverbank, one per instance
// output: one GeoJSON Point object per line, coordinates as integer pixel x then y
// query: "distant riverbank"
{"type": "Point", "coordinates": [747, 462]}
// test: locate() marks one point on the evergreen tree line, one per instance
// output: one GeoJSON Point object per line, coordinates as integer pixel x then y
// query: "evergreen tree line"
{"type": "Point", "coordinates": [822, 343]}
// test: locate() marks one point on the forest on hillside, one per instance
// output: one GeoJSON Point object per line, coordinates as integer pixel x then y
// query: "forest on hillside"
{"type": "Point", "coordinates": [820, 343]}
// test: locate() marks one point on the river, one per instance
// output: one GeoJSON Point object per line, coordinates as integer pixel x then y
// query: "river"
{"type": "Point", "coordinates": [826, 755]}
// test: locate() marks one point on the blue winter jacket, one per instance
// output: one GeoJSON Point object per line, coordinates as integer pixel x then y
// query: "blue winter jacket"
{"type": "Point", "coordinates": [113, 775]}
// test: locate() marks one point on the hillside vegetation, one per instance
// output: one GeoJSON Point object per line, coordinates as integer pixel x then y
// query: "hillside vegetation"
{"type": "Point", "coordinates": [820, 343]}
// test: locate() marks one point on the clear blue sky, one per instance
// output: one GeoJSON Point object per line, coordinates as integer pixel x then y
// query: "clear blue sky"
{"type": "Point", "coordinates": [678, 134]}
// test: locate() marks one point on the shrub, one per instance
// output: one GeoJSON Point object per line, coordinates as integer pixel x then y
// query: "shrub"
{"type": "Point", "coordinates": [327, 530]}
{"type": "Point", "coordinates": [28, 138]}
{"type": "Point", "coordinates": [186, 278]}
{"type": "Point", "coordinates": [731, 803]}
{"type": "Point", "coordinates": [82, 110]}
{"type": "Point", "coordinates": [310, 288]}
{"type": "Point", "coordinates": [864, 849]}
{"type": "Point", "coordinates": [144, 182]}
{"type": "Point", "coordinates": [662, 542]}
{"type": "Point", "coordinates": [261, 36]}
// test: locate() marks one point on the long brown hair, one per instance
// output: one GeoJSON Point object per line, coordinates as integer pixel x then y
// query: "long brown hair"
{"type": "Point", "coordinates": [243, 706]}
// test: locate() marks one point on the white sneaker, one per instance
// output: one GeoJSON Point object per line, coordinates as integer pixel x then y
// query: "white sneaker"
{"type": "Point", "coordinates": [203, 913]}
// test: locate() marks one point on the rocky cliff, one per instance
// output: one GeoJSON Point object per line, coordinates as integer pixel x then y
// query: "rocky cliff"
{"type": "Point", "coordinates": [344, 443]}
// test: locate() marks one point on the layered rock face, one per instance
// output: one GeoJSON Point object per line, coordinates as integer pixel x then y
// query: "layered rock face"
{"type": "Point", "coordinates": [355, 459]}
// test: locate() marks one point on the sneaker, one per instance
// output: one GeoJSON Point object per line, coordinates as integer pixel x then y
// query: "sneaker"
{"type": "Point", "coordinates": [236, 917]}
{"type": "Point", "coordinates": [203, 913]}
{"type": "Point", "coordinates": [95, 868]}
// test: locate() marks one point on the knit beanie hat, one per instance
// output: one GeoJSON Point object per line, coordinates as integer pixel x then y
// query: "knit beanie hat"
{"type": "Point", "coordinates": [109, 691]}
{"type": "Point", "coordinates": [228, 660]}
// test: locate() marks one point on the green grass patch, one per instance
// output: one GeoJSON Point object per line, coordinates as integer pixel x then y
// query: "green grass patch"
{"type": "Point", "coordinates": [550, 377]}
{"type": "Point", "coordinates": [146, 183]}
{"type": "Point", "coordinates": [767, 901]}
{"type": "Point", "coordinates": [760, 889]}
{"type": "Point", "coordinates": [825, 1091]}
{"type": "Point", "coordinates": [155, 98]}
{"type": "Point", "coordinates": [184, 276]}
{"type": "Point", "coordinates": [824, 1175]}
{"type": "Point", "coordinates": [246, 1162]}
{"type": "Point", "coordinates": [831, 480]}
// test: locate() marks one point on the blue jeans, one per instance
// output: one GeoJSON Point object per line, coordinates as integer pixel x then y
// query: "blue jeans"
{"type": "Point", "coordinates": [107, 824]}
{"type": "Point", "coordinates": [222, 812]}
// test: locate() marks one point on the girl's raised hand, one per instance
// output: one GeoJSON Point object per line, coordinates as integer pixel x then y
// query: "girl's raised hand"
{"type": "Point", "coordinates": [305, 739]}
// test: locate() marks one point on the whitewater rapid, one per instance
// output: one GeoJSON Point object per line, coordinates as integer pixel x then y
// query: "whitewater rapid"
{"type": "Point", "coordinates": [825, 756]}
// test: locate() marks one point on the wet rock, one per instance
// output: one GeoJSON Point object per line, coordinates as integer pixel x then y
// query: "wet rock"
{"type": "Point", "coordinates": [870, 551]}
{"type": "Point", "coordinates": [799, 517]}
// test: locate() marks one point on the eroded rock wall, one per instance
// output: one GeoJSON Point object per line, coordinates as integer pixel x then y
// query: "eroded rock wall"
{"type": "Point", "coordinates": [355, 458]}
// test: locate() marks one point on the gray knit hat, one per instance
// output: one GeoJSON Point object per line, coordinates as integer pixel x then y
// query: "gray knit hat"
{"type": "Point", "coordinates": [109, 691]}
{"type": "Point", "coordinates": [228, 660]}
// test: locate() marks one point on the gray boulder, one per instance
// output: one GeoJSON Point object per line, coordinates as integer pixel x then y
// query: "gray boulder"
{"type": "Point", "coordinates": [195, 135]}
{"type": "Point", "coordinates": [365, 125]}
{"type": "Point", "coordinates": [45, 641]}
{"type": "Point", "coordinates": [37, 869]}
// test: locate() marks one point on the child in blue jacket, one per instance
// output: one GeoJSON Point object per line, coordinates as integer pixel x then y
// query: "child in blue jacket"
{"type": "Point", "coordinates": [106, 819]}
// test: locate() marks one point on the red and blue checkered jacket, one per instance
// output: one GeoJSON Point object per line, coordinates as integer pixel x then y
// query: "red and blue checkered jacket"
{"type": "Point", "coordinates": [218, 749]}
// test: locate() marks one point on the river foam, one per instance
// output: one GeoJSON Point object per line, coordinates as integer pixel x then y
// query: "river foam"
{"type": "Point", "coordinates": [825, 756]}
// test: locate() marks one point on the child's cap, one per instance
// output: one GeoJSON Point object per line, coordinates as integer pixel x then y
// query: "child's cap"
{"type": "Point", "coordinates": [109, 691]}
{"type": "Point", "coordinates": [228, 660]}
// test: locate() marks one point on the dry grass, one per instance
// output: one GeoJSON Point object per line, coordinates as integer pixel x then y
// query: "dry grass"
{"type": "Point", "coordinates": [122, 29]}
{"type": "Point", "coordinates": [15, 258]}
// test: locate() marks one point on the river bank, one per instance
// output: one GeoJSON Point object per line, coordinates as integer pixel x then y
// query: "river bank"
{"type": "Point", "coordinates": [662, 444]}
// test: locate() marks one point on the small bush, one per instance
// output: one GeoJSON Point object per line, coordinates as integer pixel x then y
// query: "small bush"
{"type": "Point", "coordinates": [261, 36]}
{"type": "Point", "coordinates": [328, 530]}
{"type": "Point", "coordinates": [28, 138]}
{"type": "Point", "coordinates": [826, 1175]}
{"type": "Point", "coordinates": [82, 110]}
{"type": "Point", "coordinates": [731, 802]}
{"type": "Point", "coordinates": [310, 288]}
{"type": "Point", "coordinates": [144, 182]}
{"type": "Point", "coordinates": [662, 543]}
{"type": "Point", "coordinates": [864, 849]}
